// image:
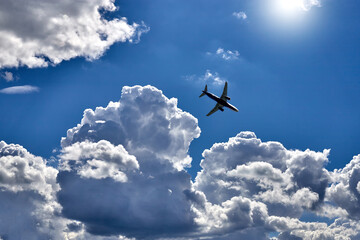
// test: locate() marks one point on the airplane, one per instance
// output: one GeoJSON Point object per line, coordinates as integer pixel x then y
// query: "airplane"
{"type": "Point", "coordinates": [221, 101]}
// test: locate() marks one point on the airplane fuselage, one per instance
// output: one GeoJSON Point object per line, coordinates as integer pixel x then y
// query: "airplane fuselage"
{"type": "Point", "coordinates": [220, 101]}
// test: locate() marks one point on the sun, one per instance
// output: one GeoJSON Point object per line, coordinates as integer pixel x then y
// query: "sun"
{"type": "Point", "coordinates": [290, 13]}
{"type": "Point", "coordinates": [289, 7]}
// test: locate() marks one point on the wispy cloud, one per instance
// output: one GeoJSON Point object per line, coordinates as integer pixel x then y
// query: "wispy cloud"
{"type": "Point", "coordinates": [240, 15]}
{"type": "Point", "coordinates": [306, 5]}
{"type": "Point", "coordinates": [209, 77]}
{"type": "Point", "coordinates": [8, 76]}
{"type": "Point", "coordinates": [227, 54]}
{"type": "Point", "coordinates": [20, 89]}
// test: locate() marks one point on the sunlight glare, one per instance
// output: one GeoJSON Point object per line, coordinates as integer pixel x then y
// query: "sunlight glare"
{"type": "Point", "coordinates": [290, 7]}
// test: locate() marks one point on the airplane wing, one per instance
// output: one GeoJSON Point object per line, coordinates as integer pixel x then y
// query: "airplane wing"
{"type": "Point", "coordinates": [214, 109]}
{"type": "Point", "coordinates": [224, 94]}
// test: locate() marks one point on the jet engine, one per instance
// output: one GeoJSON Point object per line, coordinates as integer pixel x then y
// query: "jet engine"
{"type": "Point", "coordinates": [221, 109]}
{"type": "Point", "coordinates": [227, 97]}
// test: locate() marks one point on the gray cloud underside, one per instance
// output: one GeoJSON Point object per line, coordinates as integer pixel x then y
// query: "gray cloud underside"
{"type": "Point", "coordinates": [122, 175]}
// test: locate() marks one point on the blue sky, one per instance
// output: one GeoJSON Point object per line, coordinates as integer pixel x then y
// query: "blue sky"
{"type": "Point", "coordinates": [296, 83]}
{"type": "Point", "coordinates": [292, 72]}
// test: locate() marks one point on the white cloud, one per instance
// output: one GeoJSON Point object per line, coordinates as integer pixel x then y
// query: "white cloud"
{"type": "Point", "coordinates": [291, 7]}
{"type": "Point", "coordinates": [291, 228]}
{"type": "Point", "coordinates": [8, 76]}
{"type": "Point", "coordinates": [122, 175]}
{"type": "Point", "coordinates": [344, 190]}
{"type": "Point", "coordinates": [308, 4]}
{"type": "Point", "coordinates": [148, 137]}
{"type": "Point", "coordinates": [209, 77]}
{"type": "Point", "coordinates": [227, 55]}
{"type": "Point", "coordinates": [22, 171]}
{"type": "Point", "coordinates": [236, 214]}
{"type": "Point", "coordinates": [281, 182]}
{"type": "Point", "coordinates": [28, 202]}
{"type": "Point", "coordinates": [240, 15]}
{"type": "Point", "coordinates": [98, 160]}
{"type": "Point", "coordinates": [144, 120]}
{"type": "Point", "coordinates": [36, 34]}
{"type": "Point", "coordinates": [213, 78]}
{"type": "Point", "coordinates": [20, 89]}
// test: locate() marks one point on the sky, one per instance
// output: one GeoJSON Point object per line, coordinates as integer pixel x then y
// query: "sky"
{"type": "Point", "coordinates": [103, 134]}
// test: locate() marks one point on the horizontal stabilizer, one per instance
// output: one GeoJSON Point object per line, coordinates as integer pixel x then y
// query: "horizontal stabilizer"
{"type": "Point", "coordinates": [205, 90]}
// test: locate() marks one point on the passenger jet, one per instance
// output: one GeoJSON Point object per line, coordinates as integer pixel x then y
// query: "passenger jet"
{"type": "Point", "coordinates": [221, 102]}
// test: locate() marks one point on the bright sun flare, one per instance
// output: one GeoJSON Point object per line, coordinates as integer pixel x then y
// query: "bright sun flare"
{"type": "Point", "coordinates": [290, 7]}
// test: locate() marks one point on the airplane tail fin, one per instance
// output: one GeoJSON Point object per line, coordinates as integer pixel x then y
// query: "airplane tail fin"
{"type": "Point", "coordinates": [205, 90]}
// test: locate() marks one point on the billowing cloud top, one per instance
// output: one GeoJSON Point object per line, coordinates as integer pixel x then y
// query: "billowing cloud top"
{"type": "Point", "coordinates": [145, 122]}
{"type": "Point", "coordinates": [122, 175]}
{"type": "Point", "coordinates": [40, 33]}
{"type": "Point", "coordinates": [98, 160]}
{"type": "Point", "coordinates": [132, 153]}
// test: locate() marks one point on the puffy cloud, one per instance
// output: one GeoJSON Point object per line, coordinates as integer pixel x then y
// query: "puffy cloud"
{"type": "Point", "coordinates": [227, 55]}
{"type": "Point", "coordinates": [20, 89]}
{"type": "Point", "coordinates": [28, 203]}
{"type": "Point", "coordinates": [36, 34]}
{"type": "Point", "coordinates": [282, 184]}
{"type": "Point", "coordinates": [208, 78]}
{"type": "Point", "coordinates": [145, 122]}
{"type": "Point", "coordinates": [122, 175]}
{"type": "Point", "coordinates": [247, 188]}
{"type": "Point", "coordinates": [22, 171]}
{"type": "Point", "coordinates": [344, 191]}
{"type": "Point", "coordinates": [144, 138]}
{"type": "Point", "coordinates": [240, 15]}
{"type": "Point", "coordinates": [213, 78]}
{"type": "Point", "coordinates": [287, 181]}
{"type": "Point", "coordinates": [295, 229]}
{"type": "Point", "coordinates": [98, 160]}
{"type": "Point", "coordinates": [236, 214]}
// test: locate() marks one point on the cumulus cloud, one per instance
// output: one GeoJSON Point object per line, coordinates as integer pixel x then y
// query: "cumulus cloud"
{"type": "Point", "coordinates": [144, 121]}
{"type": "Point", "coordinates": [20, 89]}
{"type": "Point", "coordinates": [27, 195]}
{"type": "Point", "coordinates": [98, 160]}
{"type": "Point", "coordinates": [209, 77]}
{"type": "Point", "coordinates": [36, 34]}
{"type": "Point", "coordinates": [122, 175]}
{"type": "Point", "coordinates": [282, 184]}
{"type": "Point", "coordinates": [240, 15]}
{"type": "Point", "coordinates": [146, 136]}
{"type": "Point", "coordinates": [264, 171]}
{"type": "Point", "coordinates": [344, 190]}
{"type": "Point", "coordinates": [8, 76]}
{"type": "Point", "coordinates": [294, 229]}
